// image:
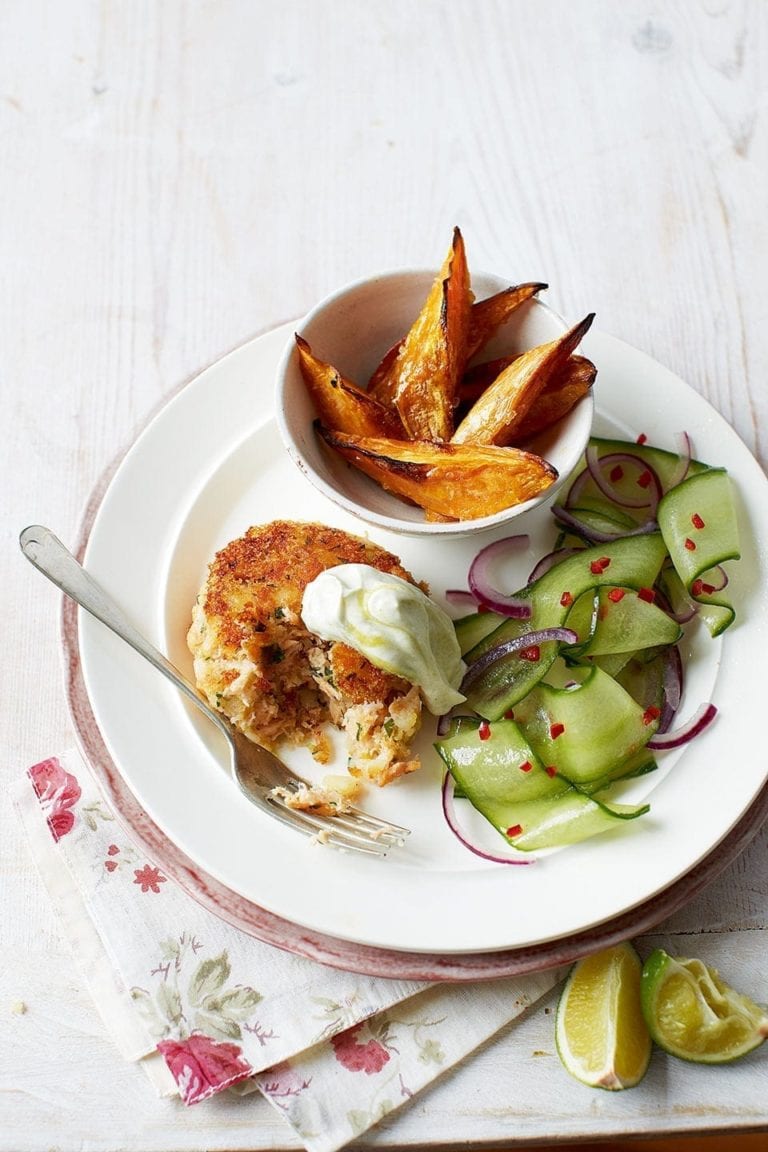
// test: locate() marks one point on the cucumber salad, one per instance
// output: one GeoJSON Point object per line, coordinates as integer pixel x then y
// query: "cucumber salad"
{"type": "Point", "coordinates": [573, 684]}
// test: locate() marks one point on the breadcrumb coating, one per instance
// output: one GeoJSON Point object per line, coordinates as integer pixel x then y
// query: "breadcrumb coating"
{"type": "Point", "coordinates": [255, 660]}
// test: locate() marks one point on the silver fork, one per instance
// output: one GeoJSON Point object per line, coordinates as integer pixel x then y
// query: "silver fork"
{"type": "Point", "coordinates": [255, 769]}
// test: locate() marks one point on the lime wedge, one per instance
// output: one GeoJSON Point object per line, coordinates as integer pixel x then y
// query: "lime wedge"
{"type": "Point", "coordinates": [693, 1014]}
{"type": "Point", "coordinates": [600, 1032]}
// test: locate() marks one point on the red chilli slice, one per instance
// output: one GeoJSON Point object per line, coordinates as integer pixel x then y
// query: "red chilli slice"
{"type": "Point", "coordinates": [484, 731]}
{"type": "Point", "coordinates": [526, 766]}
{"type": "Point", "coordinates": [697, 521]}
{"type": "Point", "coordinates": [514, 830]}
{"type": "Point", "coordinates": [556, 730]}
{"type": "Point", "coordinates": [597, 567]}
{"type": "Point", "coordinates": [689, 544]}
{"type": "Point", "coordinates": [616, 595]}
{"type": "Point", "coordinates": [646, 594]}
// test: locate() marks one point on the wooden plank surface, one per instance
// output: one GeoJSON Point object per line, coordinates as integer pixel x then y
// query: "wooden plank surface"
{"type": "Point", "coordinates": [178, 176]}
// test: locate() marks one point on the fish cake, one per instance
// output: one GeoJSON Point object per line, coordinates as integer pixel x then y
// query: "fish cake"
{"type": "Point", "coordinates": [256, 662]}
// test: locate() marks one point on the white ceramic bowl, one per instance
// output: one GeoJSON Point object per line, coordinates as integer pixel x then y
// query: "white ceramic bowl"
{"type": "Point", "coordinates": [352, 329]}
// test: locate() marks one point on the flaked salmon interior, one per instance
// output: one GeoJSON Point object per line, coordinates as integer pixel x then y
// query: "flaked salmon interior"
{"type": "Point", "coordinates": [256, 662]}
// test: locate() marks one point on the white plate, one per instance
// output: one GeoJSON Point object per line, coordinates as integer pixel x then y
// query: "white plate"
{"type": "Point", "coordinates": [210, 465]}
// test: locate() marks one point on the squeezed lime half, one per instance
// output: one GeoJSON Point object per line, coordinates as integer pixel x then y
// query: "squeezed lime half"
{"type": "Point", "coordinates": [693, 1014]}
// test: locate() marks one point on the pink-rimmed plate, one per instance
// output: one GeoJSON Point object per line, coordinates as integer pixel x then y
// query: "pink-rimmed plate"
{"type": "Point", "coordinates": [206, 467]}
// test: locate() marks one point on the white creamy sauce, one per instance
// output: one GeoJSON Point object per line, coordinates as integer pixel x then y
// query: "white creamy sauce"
{"type": "Point", "coordinates": [393, 624]}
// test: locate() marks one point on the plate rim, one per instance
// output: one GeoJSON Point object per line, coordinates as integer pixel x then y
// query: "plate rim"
{"type": "Point", "coordinates": [271, 928]}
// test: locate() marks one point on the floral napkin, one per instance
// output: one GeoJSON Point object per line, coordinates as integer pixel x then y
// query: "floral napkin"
{"type": "Point", "coordinates": [205, 1007]}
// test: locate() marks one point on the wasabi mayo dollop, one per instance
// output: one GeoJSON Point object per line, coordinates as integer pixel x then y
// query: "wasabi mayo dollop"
{"type": "Point", "coordinates": [393, 624]}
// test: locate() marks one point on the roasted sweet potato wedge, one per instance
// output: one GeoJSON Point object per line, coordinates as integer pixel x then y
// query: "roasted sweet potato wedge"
{"type": "Point", "coordinates": [341, 404]}
{"type": "Point", "coordinates": [478, 379]}
{"type": "Point", "coordinates": [564, 390]}
{"type": "Point", "coordinates": [422, 378]}
{"type": "Point", "coordinates": [577, 372]}
{"type": "Point", "coordinates": [485, 317]}
{"type": "Point", "coordinates": [496, 416]}
{"type": "Point", "coordinates": [460, 481]}
{"type": "Point", "coordinates": [377, 384]}
{"type": "Point", "coordinates": [488, 315]}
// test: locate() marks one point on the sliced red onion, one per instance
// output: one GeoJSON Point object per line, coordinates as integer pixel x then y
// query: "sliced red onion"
{"type": "Point", "coordinates": [451, 819]}
{"type": "Point", "coordinates": [507, 647]}
{"type": "Point", "coordinates": [574, 492]}
{"type": "Point", "coordinates": [683, 614]}
{"type": "Point", "coordinates": [572, 521]}
{"type": "Point", "coordinates": [444, 721]}
{"type": "Point", "coordinates": [685, 455]}
{"type": "Point", "coordinates": [722, 578]}
{"type": "Point", "coordinates": [549, 561]}
{"type": "Point", "coordinates": [479, 579]}
{"type": "Point", "coordinates": [443, 724]}
{"type": "Point", "coordinates": [460, 597]}
{"type": "Point", "coordinates": [700, 720]}
{"type": "Point", "coordinates": [595, 465]}
{"type": "Point", "coordinates": [672, 688]}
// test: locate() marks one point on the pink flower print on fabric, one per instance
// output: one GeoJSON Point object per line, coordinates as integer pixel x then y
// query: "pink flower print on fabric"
{"type": "Point", "coordinates": [283, 1081]}
{"type": "Point", "coordinates": [58, 791]}
{"type": "Point", "coordinates": [201, 1066]}
{"type": "Point", "coordinates": [150, 878]}
{"type": "Point", "coordinates": [369, 1057]}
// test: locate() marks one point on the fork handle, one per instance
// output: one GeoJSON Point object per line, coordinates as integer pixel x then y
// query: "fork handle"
{"type": "Point", "coordinates": [47, 553]}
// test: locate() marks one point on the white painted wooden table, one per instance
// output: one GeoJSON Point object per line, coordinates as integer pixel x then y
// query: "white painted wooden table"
{"type": "Point", "coordinates": [177, 176]}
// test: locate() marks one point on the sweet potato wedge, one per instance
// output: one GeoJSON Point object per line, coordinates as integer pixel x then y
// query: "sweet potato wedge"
{"type": "Point", "coordinates": [478, 379]}
{"type": "Point", "coordinates": [484, 318]}
{"type": "Point", "coordinates": [424, 373]}
{"type": "Point", "coordinates": [377, 384]}
{"type": "Point", "coordinates": [460, 481]}
{"type": "Point", "coordinates": [488, 315]}
{"type": "Point", "coordinates": [341, 404]}
{"type": "Point", "coordinates": [496, 416]}
{"type": "Point", "coordinates": [564, 390]}
{"type": "Point", "coordinates": [577, 372]}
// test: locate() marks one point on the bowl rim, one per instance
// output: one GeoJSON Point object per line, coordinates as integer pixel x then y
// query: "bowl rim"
{"type": "Point", "coordinates": [431, 529]}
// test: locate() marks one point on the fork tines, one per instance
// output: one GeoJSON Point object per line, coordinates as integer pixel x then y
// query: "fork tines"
{"type": "Point", "coordinates": [352, 830]}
